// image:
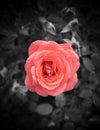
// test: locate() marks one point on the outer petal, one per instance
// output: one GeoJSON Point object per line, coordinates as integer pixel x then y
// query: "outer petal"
{"type": "Point", "coordinates": [34, 87]}
{"type": "Point", "coordinates": [75, 62]}
{"type": "Point", "coordinates": [28, 83]}
{"type": "Point", "coordinates": [57, 91]}
{"type": "Point", "coordinates": [74, 58]}
{"type": "Point", "coordinates": [49, 45]}
{"type": "Point", "coordinates": [40, 91]}
{"type": "Point", "coordinates": [29, 64]}
{"type": "Point", "coordinates": [42, 45]}
{"type": "Point", "coordinates": [71, 83]}
{"type": "Point", "coordinates": [34, 46]}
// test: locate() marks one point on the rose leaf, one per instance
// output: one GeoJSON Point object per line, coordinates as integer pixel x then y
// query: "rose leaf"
{"type": "Point", "coordinates": [76, 115]}
{"type": "Point", "coordinates": [95, 119]}
{"type": "Point", "coordinates": [67, 10]}
{"type": "Point", "coordinates": [44, 109]}
{"type": "Point", "coordinates": [47, 26]}
{"type": "Point", "coordinates": [68, 126]}
{"type": "Point", "coordinates": [69, 27]}
{"type": "Point", "coordinates": [8, 32]}
{"type": "Point", "coordinates": [85, 93]}
{"type": "Point", "coordinates": [32, 106]}
{"type": "Point", "coordinates": [60, 100]}
{"type": "Point", "coordinates": [3, 72]}
{"type": "Point", "coordinates": [67, 40]}
{"type": "Point", "coordinates": [66, 29]}
{"type": "Point", "coordinates": [24, 31]}
{"type": "Point", "coordinates": [57, 115]}
{"type": "Point", "coordinates": [88, 64]}
{"type": "Point", "coordinates": [50, 28]}
{"type": "Point", "coordinates": [85, 50]}
{"type": "Point", "coordinates": [96, 101]}
{"type": "Point", "coordinates": [18, 88]}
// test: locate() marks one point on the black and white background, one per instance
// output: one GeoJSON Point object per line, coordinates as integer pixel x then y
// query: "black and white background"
{"type": "Point", "coordinates": [22, 22]}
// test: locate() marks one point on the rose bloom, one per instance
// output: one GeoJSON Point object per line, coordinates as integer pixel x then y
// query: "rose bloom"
{"type": "Point", "coordinates": [51, 68]}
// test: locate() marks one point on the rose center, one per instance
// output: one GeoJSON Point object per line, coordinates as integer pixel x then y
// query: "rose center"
{"type": "Point", "coordinates": [49, 69]}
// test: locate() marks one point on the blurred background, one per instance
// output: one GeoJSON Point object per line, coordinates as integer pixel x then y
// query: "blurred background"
{"type": "Point", "coordinates": [75, 22]}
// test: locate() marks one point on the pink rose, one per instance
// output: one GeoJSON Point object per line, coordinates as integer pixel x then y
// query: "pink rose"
{"type": "Point", "coordinates": [51, 68]}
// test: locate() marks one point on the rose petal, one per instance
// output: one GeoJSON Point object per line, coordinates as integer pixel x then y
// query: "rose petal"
{"type": "Point", "coordinates": [42, 45]}
{"type": "Point", "coordinates": [38, 88]}
{"type": "Point", "coordinates": [40, 91]}
{"type": "Point", "coordinates": [56, 91]}
{"type": "Point", "coordinates": [28, 83]}
{"type": "Point", "coordinates": [34, 46]}
{"type": "Point", "coordinates": [34, 87]}
{"type": "Point", "coordinates": [75, 62]}
{"type": "Point", "coordinates": [49, 45]}
{"type": "Point", "coordinates": [29, 64]}
{"type": "Point", "coordinates": [71, 83]}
